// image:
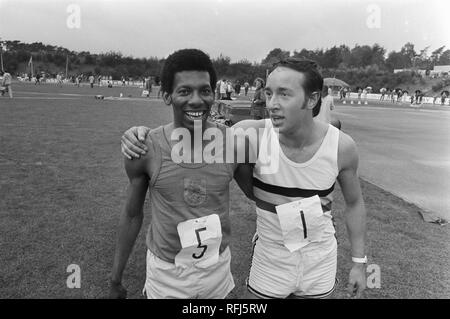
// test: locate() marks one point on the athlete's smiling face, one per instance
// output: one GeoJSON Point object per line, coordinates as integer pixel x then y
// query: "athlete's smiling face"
{"type": "Point", "coordinates": [287, 101]}
{"type": "Point", "coordinates": [191, 98]}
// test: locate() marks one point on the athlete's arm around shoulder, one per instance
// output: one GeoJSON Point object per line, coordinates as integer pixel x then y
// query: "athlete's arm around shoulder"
{"type": "Point", "coordinates": [245, 124]}
{"type": "Point", "coordinates": [252, 131]}
{"type": "Point", "coordinates": [244, 171]}
{"type": "Point", "coordinates": [355, 213]}
{"type": "Point", "coordinates": [131, 220]}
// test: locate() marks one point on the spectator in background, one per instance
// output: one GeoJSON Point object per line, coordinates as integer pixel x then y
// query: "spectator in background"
{"type": "Point", "coordinates": [444, 95]}
{"type": "Point", "coordinates": [359, 94]}
{"type": "Point", "coordinates": [148, 84]}
{"type": "Point", "coordinates": [246, 87]}
{"type": "Point", "coordinates": [218, 85]}
{"type": "Point", "coordinates": [405, 96]}
{"type": "Point", "coordinates": [326, 107]}
{"type": "Point", "coordinates": [258, 106]}
{"type": "Point", "coordinates": [364, 95]}
{"type": "Point", "coordinates": [159, 90]}
{"type": "Point", "coordinates": [6, 83]}
{"type": "Point", "coordinates": [418, 96]}
{"type": "Point", "coordinates": [59, 79]}
{"type": "Point", "coordinates": [237, 88]}
{"type": "Point", "coordinates": [399, 96]}
{"type": "Point", "coordinates": [341, 94]}
{"type": "Point", "coordinates": [38, 79]}
{"type": "Point", "coordinates": [223, 89]}
{"type": "Point", "coordinates": [91, 81]}
{"type": "Point", "coordinates": [344, 94]}
{"type": "Point", "coordinates": [383, 93]}
{"type": "Point", "coordinates": [392, 95]}
{"type": "Point", "coordinates": [229, 90]}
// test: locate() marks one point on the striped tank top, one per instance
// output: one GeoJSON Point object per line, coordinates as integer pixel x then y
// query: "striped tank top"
{"type": "Point", "coordinates": [293, 181]}
{"type": "Point", "coordinates": [181, 192]}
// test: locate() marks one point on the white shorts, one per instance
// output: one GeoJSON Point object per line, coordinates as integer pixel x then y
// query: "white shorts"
{"type": "Point", "coordinates": [167, 281]}
{"type": "Point", "coordinates": [309, 272]}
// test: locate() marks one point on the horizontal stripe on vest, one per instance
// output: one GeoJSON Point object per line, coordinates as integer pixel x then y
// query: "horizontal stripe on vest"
{"type": "Point", "coordinates": [271, 207]}
{"type": "Point", "coordinates": [291, 191]}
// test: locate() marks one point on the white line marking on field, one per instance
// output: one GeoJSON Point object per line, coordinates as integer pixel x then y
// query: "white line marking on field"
{"type": "Point", "coordinates": [44, 98]}
{"type": "Point", "coordinates": [113, 98]}
{"type": "Point", "coordinates": [54, 93]}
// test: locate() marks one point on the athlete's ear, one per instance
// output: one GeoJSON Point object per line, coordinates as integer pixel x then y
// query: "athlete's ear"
{"type": "Point", "coordinates": [313, 99]}
{"type": "Point", "coordinates": [167, 98]}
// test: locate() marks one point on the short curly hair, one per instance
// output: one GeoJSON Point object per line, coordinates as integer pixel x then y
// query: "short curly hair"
{"type": "Point", "coordinates": [186, 60]}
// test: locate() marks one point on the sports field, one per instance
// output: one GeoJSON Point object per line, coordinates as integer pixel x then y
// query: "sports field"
{"type": "Point", "coordinates": [62, 189]}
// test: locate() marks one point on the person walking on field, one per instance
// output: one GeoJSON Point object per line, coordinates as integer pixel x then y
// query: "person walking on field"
{"type": "Point", "coordinates": [91, 81]}
{"type": "Point", "coordinates": [6, 83]}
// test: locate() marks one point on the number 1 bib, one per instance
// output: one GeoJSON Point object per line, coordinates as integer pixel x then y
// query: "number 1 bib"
{"type": "Point", "coordinates": [200, 241]}
{"type": "Point", "coordinates": [301, 222]}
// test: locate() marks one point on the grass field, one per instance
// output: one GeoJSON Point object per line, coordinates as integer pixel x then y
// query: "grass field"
{"type": "Point", "coordinates": [62, 189]}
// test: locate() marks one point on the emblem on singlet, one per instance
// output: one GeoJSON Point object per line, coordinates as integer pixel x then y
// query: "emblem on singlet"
{"type": "Point", "coordinates": [194, 191]}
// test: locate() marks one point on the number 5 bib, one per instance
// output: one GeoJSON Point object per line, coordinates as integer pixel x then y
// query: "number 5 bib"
{"type": "Point", "coordinates": [200, 241]}
{"type": "Point", "coordinates": [301, 222]}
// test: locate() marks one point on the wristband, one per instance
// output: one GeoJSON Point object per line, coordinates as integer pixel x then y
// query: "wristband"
{"type": "Point", "coordinates": [360, 260]}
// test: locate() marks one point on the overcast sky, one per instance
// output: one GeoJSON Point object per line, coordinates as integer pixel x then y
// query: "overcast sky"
{"type": "Point", "coordinates": [246, 29]}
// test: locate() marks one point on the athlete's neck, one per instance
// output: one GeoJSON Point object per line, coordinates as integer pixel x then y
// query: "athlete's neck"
{"type": "Point", "coordinates": [196, 133]}
{"type": "Point", "coordinates": [301, 136]}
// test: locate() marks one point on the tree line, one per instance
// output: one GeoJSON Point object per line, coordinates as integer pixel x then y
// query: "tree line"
{"type": "Point", "coordinates": [360, 65]}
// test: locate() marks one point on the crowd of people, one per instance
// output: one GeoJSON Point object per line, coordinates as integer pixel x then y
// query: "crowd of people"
{"type": "Point", "coordinates": [395, 96]}
{"type": "Point", "coordinates": [226, 88]}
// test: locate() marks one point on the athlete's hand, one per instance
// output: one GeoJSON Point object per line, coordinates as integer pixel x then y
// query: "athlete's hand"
{"type": "Point", "coordinates": [132, 145]}
{"type": "Point", "coordinates": [357, 280]}
{"type": "Point", "coordinates": [117, 291]}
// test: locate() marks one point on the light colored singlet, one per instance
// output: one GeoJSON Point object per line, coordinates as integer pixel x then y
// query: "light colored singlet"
{"type": "Point", "coordinates": [293, 181]}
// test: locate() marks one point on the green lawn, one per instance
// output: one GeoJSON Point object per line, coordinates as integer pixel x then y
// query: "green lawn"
{"type": "Point", "coordinates": [62, 188]}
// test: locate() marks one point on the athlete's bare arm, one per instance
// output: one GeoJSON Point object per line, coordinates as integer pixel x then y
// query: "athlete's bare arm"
{"type": "Point", "coordinates": [355, 213]}
{"type": "Point", "coordinates": [130, 221]}
{"type": "Point", "coordinates": [244, 172]}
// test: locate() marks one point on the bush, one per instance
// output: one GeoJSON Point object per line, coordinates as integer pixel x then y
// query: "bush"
{"type": "Point", "coordinates": [438, 86]}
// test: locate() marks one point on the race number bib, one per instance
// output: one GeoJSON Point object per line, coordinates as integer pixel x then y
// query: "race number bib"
{"type": "Point", "coordinates": [302, 222]}
{"type": "Point", "coordinates": [200, 241]}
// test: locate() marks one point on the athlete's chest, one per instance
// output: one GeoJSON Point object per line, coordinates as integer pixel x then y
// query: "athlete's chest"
{"type": "Point", "coordinates": [300, 155]}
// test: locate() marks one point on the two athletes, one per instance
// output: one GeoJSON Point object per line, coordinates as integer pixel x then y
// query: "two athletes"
{"type": "Point", "coordinates": [295, 252]}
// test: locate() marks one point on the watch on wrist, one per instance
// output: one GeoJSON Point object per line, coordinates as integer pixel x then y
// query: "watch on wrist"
{"type": "Point", "coordinates": [360, 260]}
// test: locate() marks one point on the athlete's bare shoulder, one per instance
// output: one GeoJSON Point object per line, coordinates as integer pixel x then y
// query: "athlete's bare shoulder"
{"type": "Point", "coordinates": [140, 167]}
{"type": "Point", "coordinates": [347, 152]}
